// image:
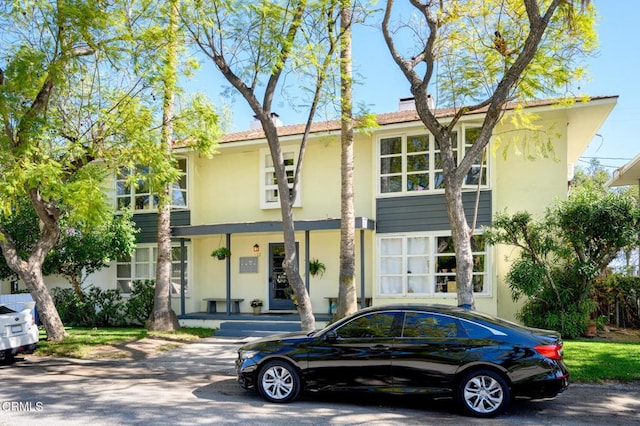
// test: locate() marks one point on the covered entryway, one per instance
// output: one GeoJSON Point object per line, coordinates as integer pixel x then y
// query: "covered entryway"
{"type": "Point", "coordinates": [279, 289]}
{"type": "Point", "coordinates": [254, 274]}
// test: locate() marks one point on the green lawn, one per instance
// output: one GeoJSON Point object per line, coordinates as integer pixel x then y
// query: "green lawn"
{"type": "Point", "coordinates": [596, 362]}
{"type": "Point", "coordinates": [80, 341]}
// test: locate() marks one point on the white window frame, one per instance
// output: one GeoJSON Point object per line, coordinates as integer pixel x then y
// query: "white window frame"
{"type": "Point", "coordinates": [432, 171]}
{"type": "Point", "coordinates": [146, 269]}
{"type": "Point", "coordinates": [400, 279]}
{"type": "Point", "coordinates": [131, 192]}
{"type": "Point", "coordinates": [268, 200]}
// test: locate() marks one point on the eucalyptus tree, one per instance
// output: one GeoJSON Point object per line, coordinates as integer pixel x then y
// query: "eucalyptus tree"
{"type": "Point", "coordinates": [347, 295]}
{"type": "Point", "coordinates": [163, 318]}
{"type": "Point", "coordinates": [476, 56]}
{"type": "Point", "coordinates": [158, 58]}
{"type": "Point", "coordinates": [255, 45]}
{"type": "Point", "coordinates": [62, 107]}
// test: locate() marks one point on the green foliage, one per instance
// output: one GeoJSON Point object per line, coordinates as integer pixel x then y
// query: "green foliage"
{"type": "Point", "coordinates": [104, 308]}
{"type": "Point", "coordinates": [87, 251]}
{"type": "Point", "coordinates": [560, 310]}
{"type": "Point", "coordinates": [73, 311]}
{"type": "Point", "coordinates": [80, 248]}
{"type": "Point", "coordinates": [593, 177]}
{"type": "Point", "coordinates": [617, 297]}
{"type": "Point", "coordinates": [468, 50]}
{"type": "Point", "coordinates": [107, 307]}
{"type": "Point", "coordinates": [316, 267]}
{"type": "Point", "coordinates": [22, 226]}
{"type": "Point", "coordinates": [221, 253]}
{"type": "Point", "coordinates": [140, 303]}
{"type": "Point", "coordinates": [561, 255]}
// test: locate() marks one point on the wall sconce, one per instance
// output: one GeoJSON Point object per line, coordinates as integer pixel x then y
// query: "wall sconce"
{"type": "Point", "coordinates": [256, 250]}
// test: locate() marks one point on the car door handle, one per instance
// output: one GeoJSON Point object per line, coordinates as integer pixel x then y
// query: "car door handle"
{"type": "Point", "coordinates": [380, 348]}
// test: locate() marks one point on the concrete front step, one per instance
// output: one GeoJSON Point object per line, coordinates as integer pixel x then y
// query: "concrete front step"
{"type": "Point", "coordinates": [256, 328]}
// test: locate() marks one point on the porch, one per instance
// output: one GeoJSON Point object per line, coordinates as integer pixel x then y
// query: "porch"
{"type": "Point", "coordinates": [249, 325]}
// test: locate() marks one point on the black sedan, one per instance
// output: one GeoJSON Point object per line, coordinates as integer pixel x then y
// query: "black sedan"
{"type": "Point", "coordinates": [480, 360]}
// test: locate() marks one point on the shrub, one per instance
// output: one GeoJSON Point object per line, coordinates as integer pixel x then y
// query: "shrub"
{"type": "Point", "coordinates": [140, 303]}
{"type": "Point", "coordinates": [618, 298]}
{"type": "Point", "coordinates": [108, 309]}
{"type": "Point", "coordinates": [72, 310]}
{"type": "Point", "coordinates": [97, 307]}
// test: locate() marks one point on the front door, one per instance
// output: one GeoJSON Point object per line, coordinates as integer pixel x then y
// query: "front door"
{"type": "Point", "coordinates": [279, 290]}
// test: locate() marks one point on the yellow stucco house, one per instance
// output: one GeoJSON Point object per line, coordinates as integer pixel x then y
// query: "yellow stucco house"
{"type": "Point", "coordinates": [403, 247]}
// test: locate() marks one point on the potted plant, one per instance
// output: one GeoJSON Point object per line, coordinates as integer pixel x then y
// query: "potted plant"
{"type": "Point", "coordinates": [256, 304]}
{"type": "Point", "coordinates": [316, 267]}
{"type": "Point", "coordinates": [221, 253]}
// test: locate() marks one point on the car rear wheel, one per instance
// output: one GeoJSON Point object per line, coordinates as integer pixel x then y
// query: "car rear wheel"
{"type": "Point", "coordinates": [278, 381]}
{"type": "Point", "coordinates": [483, 393]}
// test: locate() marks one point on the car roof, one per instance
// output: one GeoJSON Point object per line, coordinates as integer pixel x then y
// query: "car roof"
{"type": "Point", "coordinates": [455, 311]}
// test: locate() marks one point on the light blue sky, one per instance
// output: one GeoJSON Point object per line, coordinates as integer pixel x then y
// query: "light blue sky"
{"type": "Point", "coordinates": [614, 71]}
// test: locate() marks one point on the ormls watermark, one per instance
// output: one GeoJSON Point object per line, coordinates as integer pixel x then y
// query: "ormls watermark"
{"type": "Point", "coordinates": [16, 406]}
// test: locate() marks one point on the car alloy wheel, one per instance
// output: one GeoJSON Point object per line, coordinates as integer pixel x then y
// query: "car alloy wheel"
{"type": "Point", "coordinates": [278, 381]}
{"type": "Point", "coordinates": [483, 393]}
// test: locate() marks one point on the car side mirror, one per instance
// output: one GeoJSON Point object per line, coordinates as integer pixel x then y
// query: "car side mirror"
{"type": "Point", "coordinates": [331, 336]}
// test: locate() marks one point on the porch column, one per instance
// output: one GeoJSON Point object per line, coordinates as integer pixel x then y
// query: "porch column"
{"type": "Point", "coordinates": [306, 259]}
{"type": "Point", "coordinates": [363, 302]}
{"type": "Point", "coordinates": [182, 277]}
{"type": "Point", "coordinates": [228, 259]}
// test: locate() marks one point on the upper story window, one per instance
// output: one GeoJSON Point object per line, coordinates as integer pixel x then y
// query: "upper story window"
{"type": "Point", "coordinates": [139, 196]}
{"type": "Point", "coordinates": [478, 172]}
{"type": "Point", "coordinates": [412, 163]}
{"type": "Point", "coordinates": [269, 193]}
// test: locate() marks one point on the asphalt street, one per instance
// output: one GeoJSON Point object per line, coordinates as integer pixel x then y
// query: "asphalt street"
{"type": "Point", "coordinates": [195, 384]}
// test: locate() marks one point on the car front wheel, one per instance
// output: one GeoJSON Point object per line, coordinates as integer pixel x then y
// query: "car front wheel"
{"type": "Point", "coordinates": [483, 393]}
{"type": "Point", "coordinates": [278, 381]}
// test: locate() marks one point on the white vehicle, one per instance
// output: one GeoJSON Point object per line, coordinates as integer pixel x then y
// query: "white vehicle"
{"type": "Point", "coordinates": [18, 330]}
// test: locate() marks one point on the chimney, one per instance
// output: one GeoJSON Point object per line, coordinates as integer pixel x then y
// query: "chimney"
{"type": "Point", "coordinates": [407, 104]}
{"type": "Point", "coordinates": [430, 102]}
{"type": "Point", "coordinates": [255, 123]}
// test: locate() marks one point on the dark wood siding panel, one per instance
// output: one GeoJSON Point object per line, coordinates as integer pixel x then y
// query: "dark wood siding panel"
{"type": "Point", "coordinates": [147, 223]}
{"type": "Point", "coordinates": [426, 212]}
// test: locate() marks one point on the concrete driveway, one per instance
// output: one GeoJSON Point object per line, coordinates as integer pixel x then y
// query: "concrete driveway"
{"type": "Point", "coordinates": [195, 384]}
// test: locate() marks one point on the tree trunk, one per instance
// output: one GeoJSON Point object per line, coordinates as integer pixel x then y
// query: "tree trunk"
{"type": "Point", "coordinates": [30, 272]}
{"type": "Point", "coordinates": [163, 318]}
{"type": "Point", "coordinates": [460, 232]}
{"type": "Point", "coordinates": [347, 294]}
{"type": "Point", "coordinates": [47, 312]}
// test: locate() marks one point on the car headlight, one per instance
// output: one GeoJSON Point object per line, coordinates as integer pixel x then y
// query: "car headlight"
{"type": "Point", "coordinates": [247, 354]}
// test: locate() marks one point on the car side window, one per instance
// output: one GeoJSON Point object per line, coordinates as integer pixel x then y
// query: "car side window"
{"type": "Point", "coordinates": [422, 324]}
{"type": "Point", "coordinates": [376, 325]}
{"type": "Point", "coordinates": [475, 331]}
